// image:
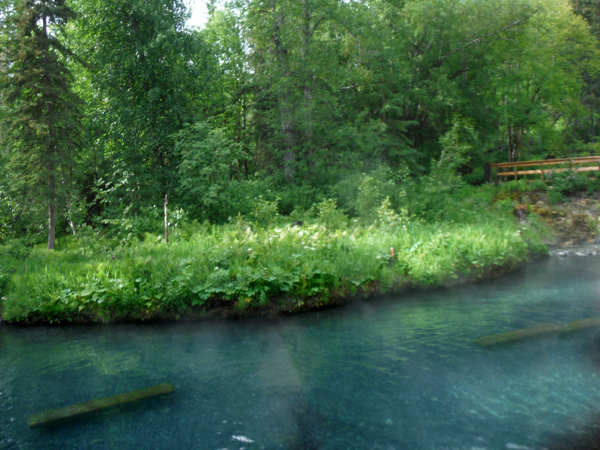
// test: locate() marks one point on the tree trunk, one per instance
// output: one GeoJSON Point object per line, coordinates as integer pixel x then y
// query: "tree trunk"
{"type": "Point", "coordinates": [50, 166]}
{"type": "Point", "coordinates": [308, 82]}
{"type": "Point", "coordinates": [166, 220]}
{"type": "Point", "coordinates": [287, 129]}
{"type": "Point", "coordinates": [519, 133]}
{"type": "Point", "coordinates": [51, 226]}
{"type": "Point", "coordinates": [285, 106]}
{"type": "Point", "coordinates": [509, 143]}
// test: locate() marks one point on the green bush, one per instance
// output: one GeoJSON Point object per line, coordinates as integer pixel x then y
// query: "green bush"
{"type": "Point", "coordinates": [555, 197]}
{"type": "Point", "coordinates": [329, 215]}
{"type": "Point", "coordinates": [372, 189]}
{"type": "Point", "coordinates": [205, 181]}
{"type": "Point", "coordinates": [514, 186]}
{"type": "Point", "coordinates": [265, 212]}
{"type": "Point", "coordinates": [538, 185]}
{"type": "Point", "coordinates": [476, 177]}
{"type": "Point", "coordinates": [594, 182]}
{"type": "Point", "coordinates": [15, 248]}
{"type": "Point", "coordinates": [390, 220]}
{"type": "Point", "coordinates": [568, 181]}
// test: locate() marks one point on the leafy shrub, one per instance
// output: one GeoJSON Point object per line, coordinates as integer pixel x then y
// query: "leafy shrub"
{"type": "Point", "coordinates": [15, 248]}
{"type": "Point", "coordinates": [555, 197]}
{"type": "Point", "coordinates": [207, 159]}
{"type": "Point", "coordinates": [265, 212]}
{"type": "Point", "coordinates": [476, 177]}
{"type": "Point", "coordinates": [514, 186]}
{"type": "Point", "coordinates": [131, 226]}
{"type": "Point", "coordinates": [390, 220]}
{"type": "Point", "coordinates": [568, 181]}
{"type": "Point", "coordinates": [370, 193]}
{"type": "Point", "coordinates": [538, 185]}
{"type": "Point", "coordinates": [329, 215]}
{"type": "Point", "coordinates": [594, 182]}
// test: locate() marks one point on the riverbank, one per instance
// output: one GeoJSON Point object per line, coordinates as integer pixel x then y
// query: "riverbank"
{"type": "Point", "coordinates": [236, 270]}
{"type": "Point", "coordinates": [574, 222]}
{"type": "Point", "coordinates": [279, 305]}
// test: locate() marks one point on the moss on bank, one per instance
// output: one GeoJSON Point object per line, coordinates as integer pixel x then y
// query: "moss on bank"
{"type": "Point", "coordinates": [236, 270]}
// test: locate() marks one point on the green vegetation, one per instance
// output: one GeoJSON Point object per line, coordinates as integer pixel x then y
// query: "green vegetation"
{"type": "Point", "coordinates": [571, 182]}
{"type": "Point", "coordinates": [262, 264]}
{"type": "Point", "coordinates": [559, 185]}
{"type": "Point", "coordinates": [555, 197]}
{"type": "Point", "coordinates": [292, 100]}
{"type": "Point", "coordinates": [441, 230]}
{"type": "Point", "coordinates": [42, 117]}
{"type": "Point", "coordinates": [370, 122]}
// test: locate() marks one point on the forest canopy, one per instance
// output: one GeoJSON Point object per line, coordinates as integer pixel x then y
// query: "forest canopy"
{"type": "Point", "coordinates": [106, 106]}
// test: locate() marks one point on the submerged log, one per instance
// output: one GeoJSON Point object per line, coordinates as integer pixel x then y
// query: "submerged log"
{"type": "Point", "coordinates": [55, 415]}
{"type": "Point", "coordinates": [581, 325]}
{"type": "Point", "coordinates": [543, 329]}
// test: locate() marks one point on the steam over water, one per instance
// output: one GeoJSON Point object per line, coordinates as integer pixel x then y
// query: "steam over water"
{"type": "Point", "coordinates": [395, 373]}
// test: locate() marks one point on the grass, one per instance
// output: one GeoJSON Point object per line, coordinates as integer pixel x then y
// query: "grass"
{"type": "Point", "coordinates": [234, 266]}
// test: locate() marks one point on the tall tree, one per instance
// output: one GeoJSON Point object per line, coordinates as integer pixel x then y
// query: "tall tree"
{"type": "Point", "coordinates": [145, 81]}
{"type": "Point", "coordinates": [537, 83]}
{"type": "Point", "coordinates": [590, 11]}
{"type": "Point", "coordinates": [41, 112]}
{"type": "Point", "coordinates": [301, 67]}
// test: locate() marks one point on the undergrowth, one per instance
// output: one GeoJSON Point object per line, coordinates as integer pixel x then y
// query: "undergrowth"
{"type": "Point", "coordinates": [263, 264]}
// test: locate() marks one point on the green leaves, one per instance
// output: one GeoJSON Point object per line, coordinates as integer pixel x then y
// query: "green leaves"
{"type": "Point", "coordinates": [208, 160]}
{"type": "Point", "coordinates": [257, 268]}
{"type": "Point", "coordinates": [41, 113]}
{"type": "Point", "coordinates": [144, 83]}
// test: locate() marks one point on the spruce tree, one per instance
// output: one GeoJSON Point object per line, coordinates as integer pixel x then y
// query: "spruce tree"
{"type": "Point", "coordinates": [41, 114]}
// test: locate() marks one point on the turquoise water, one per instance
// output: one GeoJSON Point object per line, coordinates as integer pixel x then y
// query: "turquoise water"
{"type": "Point", "coordinates": [390, 373]}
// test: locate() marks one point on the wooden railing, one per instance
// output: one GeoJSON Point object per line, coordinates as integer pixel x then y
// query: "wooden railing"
{"type": "Point", "coordinates": [541, 167]}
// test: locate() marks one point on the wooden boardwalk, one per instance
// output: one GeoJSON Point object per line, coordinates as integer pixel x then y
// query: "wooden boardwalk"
{"type": "Point", "coordinates": [501, 171]}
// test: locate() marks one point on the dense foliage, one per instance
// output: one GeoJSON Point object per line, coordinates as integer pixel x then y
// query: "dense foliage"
{"type": "Point", "coordinates": [41, 114]}
{"type": "Point", "coordinates": [293, 100]}
{"type": "Point", "coordinates": [376, 111]}
{"type": "Point", "coordinates": [263, 262]}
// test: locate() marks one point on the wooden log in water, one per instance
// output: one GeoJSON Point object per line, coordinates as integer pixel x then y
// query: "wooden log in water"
{"type": "Point", "coordinates": [581, 325]}
{"type": "Point", "coordinates": [55, 415]}
{"type": "Point", "coordinates": [542, 329]}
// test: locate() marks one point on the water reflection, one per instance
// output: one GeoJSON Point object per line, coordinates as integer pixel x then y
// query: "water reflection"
{"type": "Point", "coordinates": [397, 373]}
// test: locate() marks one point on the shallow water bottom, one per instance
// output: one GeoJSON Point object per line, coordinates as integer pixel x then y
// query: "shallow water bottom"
{"type": "Point", "coordinates": [388, 373]}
